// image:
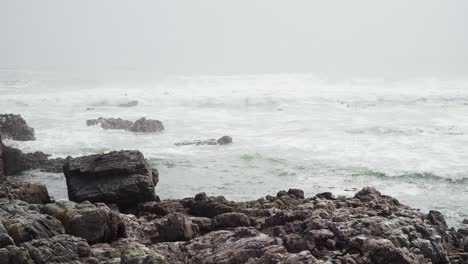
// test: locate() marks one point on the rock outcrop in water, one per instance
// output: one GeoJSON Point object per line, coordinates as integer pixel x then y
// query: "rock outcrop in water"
{"type": "Point", "coordinates": [224, 140]}
{"type": "Point", "coordinates": [131, 103]}
{"type": "Point", "coordinates": [15, 127]}
{"type": "Point", "coordinates": [110, 123]}
{"type": "Point", "coordinates": [15, 162]}
{"type": "Point", "coordinates": [119, 177]}
{"type": "Point", "coordinates": [142, 125]}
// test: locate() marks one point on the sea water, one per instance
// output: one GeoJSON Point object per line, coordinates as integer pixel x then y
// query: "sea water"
{"type": "Point", "coordinates": [407, 138]}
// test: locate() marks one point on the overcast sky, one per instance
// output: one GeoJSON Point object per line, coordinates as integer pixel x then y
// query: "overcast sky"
{"type": "Point", "coordinates": [238, 36]}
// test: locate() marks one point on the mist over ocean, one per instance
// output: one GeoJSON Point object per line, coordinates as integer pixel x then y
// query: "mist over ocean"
{"type": "Point", "coordinates": [408, 138]}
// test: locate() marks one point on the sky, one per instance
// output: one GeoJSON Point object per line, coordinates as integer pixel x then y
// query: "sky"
{"type": "Point", "coordinates": [360, 37]}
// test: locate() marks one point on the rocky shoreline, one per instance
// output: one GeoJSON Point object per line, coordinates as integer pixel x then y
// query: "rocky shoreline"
{"type": "Point", "coordinates": [115, 216]}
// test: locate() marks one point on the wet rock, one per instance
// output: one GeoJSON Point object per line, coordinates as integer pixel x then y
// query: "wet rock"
{"type": "Point", "coordinates": [119, 177]}
{"type": "Point", "coordinates": [144, 125]}
{"type": "Point", "coordinates": [88, 221]}
{"type": "Point", "coordinates": [437, 219]}
{"type": "Point", "coordinates": [110, 123]}
{"type": "Point", "coordinates": [14, 127]}
{"type": "Point", "coordinates": [220, 141]}
{"type": "Point", "coordinates": [16, 162]}
{"type": "Point", "coordinates": [230, 220]}
{"type": "Point", "coordinates": [131, 103]}
{"type": "Point", "coordinates": [34, 193]}
{"type": "Point", "coordinates": [58, 249]}
{"type": "Point", "coordinates": [173, 227]}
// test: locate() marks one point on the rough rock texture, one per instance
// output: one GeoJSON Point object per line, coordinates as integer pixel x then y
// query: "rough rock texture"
{"type": "Point", "coordinates": [224, 140]}
{"type": "Point", "coordinates": [34, 193]}
{"type": "Point", "coordinates": [144, 125]}
{"type": "Point", "coordinates": [15, 162]}
{"type": "Point", "coordinates": [365, 229]}
{"type": "Point", "coordinates": [110, 123]}
{"type": "Point", "coordinates": [2, 174]}
{"type": "Point", "coordinates": [96, 224]}
{"type": "Point", "coordinates": [14, 127]}
{"type": "Point", "coordinates": [119, 177]}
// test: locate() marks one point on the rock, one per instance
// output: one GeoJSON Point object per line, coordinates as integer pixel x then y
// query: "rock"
{"type": "Point", "coordinates": [58, 249]}
{"type": "Point", "coordinates": [136, 253]}
{"type": "Point", "coordinates": [224, 140]}
{"type": "Point", "coordinates": [110, 123]}
{"type": "Point", "coordinates": [15, 162]}
{"type": "Point", "coordinates": [229, 220]}
{"type": "Point", "coordinates": [14, 127]}
{"type": "Point", "coordinates": [221, 141]}
{"type": "Point", "coordinates": [144, 125]}
{"type": "Point", "coordinates": [34, 193]}
{"type": "Point", "coordinates": [24, 225]}
{"type": "Point", "coordinates": [2, 174]}
{"type": "Point", "coordinates": [119, 177]}
{"type": "Point", "coordinates": [131, 103]}
{"type": "Point", "coordinates": [85, 220]}
{"type": "Point", "coordinates": [15, 255]}
{"type": "Point", "coordinates": [207, 208]}
{"type": "Point", "coordinates": [297, 193]}
{"type": "Point", "coordinates": [437, 219]}
{"type": "Point", "coordinates": [465, 221]}
{"type": "Point", "coordinates": [174, 227]}
{"type": "Point", "coordinates": [161, 208]}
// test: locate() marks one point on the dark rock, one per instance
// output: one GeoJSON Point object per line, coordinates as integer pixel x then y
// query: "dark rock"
{"type": "Point", "coordinates": [110, 123]}
{"type": "Point", "coordinates": [200, 196]}
{"type": "Point", "coordinates": [208, 208]}
{"type": "Point", "coordinates": [131, 103]}
{"type": "Point", "coordinates": [437, 219]}
{"type": "Point", "coordinates": [85, 220]}
{"type": "Point", "coordinates": [144, 125]}
{"type": "Point", "coordinates": [119, 177]}
{"type": "Point", "coordinates": [224, 140]}
{"type": "Point", "coordinates": [15, 162]}
{"type": "Point", "coordinates": [297, 193]}
{"type": "Point", "coordinates": [14, 127]}
{"type": "Point", "coordinates": [24, 225]}
{"type": "Point", "coordinates": [229, 220]}
{"type": "Point", "coordinates": [34, 193]}
{"type": "Point", "coordinates": [221, 141]}
{"type": "Point", "coordinates": [58, 249]}
{"type": "Point", "coordinates": [326, 195]}
{"type": "Point", "coordinates": [465, 221]}
{"type": "Point", "coordinates": [161, 208]}
{"type": "Point", "coordinates": [15, 255]}
{"type": "Point", "coordinates": [174, 227]}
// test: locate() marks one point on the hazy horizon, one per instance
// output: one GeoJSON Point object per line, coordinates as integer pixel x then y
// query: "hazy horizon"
{"type": "Point", "coordinates": [359, 38]}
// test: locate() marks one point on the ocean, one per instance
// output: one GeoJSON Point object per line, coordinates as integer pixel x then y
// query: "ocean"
{"type": "Point", "coordinates": [407, 138]}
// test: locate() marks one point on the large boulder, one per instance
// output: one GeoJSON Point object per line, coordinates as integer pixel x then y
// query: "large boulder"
{"type": "Point", "coordinates": [144, 125]}
{"type": "Point", "coordinates": [119, 177]}
{"type": "Point", "coordinates": [110, 123]}
{"type": "Point", "coordinates": [14, 127]}
{"type": "Point", "coordinates": [15, 162]}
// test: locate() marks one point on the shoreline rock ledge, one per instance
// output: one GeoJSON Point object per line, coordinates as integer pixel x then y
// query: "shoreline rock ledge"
{"type": "Point", "coordinates": [118, 177]}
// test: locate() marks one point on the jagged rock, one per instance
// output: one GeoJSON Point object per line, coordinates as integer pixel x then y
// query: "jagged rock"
{"type": "Point", "coordinates": [220, 141]}
{"type": "Point", "coordinates": [297, 193]}
{"type": "Point", "coordinates": [131, 103]}
{"type": "Point", "coordinates": [119, 177]}
{"type": "Point", "coordinates": [136, 253]}
{"type": "Point", "coordinates": [110, 123]}
{"type": "Point", "coordinates": [15, 255]}
{"type": "Point", "coordinates": [58, 249]}
{"type": "Point", "coordinates": [161, 208]}
{"type": "Point", "coordinates": [85, 220]}
{"type": "Point", "coordinates": [144, 125]}
{"type": "Point", "coordinates": [174, 227]}
{"type": "Point", "coordinates": [229, 220]}
{"type": "Point", "coordinates": [24, 225]}
{"type": "Point", "coordinates": [34, 193]}
{"type": "Point", "coordinates": [15, 162]}
{"type": "Point", "coordinates": [14, 127]}
{"type": "Point", "coordinates": [437, 219]}
{"type": "Point", "coordinates": [210, 207]}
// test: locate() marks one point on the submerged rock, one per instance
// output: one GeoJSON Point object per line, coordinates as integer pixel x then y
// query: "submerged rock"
{"type": "Point", "coordinates": [131, 103]}
{"type": "Point", "coordinates": [15, 162]}
{"type": "Point", "coordinates": [144, 125]}
{"type": "Point", "coordinates": [15, 127]}
{"type": "Point", "coordinates": [224, 140]}
{"type": "Point", "coordinates": [110, 123]}
{"type": "Point", "coordinates": [119, 177]}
